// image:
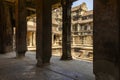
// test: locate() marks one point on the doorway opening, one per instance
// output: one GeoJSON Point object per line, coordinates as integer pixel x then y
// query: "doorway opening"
{"type": "Point", "coordinates": [31, 32]}
{"type": "Point", "coordinates": [57, 30]}
{"type": "Point", "coordinates": [81, 38]}
{"type": "Point", "coordinates": [81, 30]}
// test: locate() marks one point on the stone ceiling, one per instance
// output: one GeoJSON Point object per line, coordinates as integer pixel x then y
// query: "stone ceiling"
{"type": "Point", "coordinates": [31, 5]}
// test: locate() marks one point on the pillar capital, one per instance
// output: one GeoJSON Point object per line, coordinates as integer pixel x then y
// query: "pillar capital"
{"type": "Point", "coordinates": [65, 3]}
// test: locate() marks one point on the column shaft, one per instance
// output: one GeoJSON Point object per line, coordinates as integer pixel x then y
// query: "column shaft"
{"type": "Point", "coordinates": [66, 35]}
{"type": "Point", "coordinates": [6, 37]}
{"type": "Point", "coordinates": [34, 38]}
{"type": "Point", "coordinates": [31, 39]}
{"type": "Point", "coordinates": [21, 28]}
{"type": "Point", "coordinates": [44, 32]}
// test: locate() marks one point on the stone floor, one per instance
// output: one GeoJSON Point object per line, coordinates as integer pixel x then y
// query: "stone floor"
{"type": "Point", "coordinates": [25, 69]}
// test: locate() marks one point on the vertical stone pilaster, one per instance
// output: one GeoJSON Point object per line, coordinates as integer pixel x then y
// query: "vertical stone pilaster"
{"type": "Point", "coordinates": [34, 39]}
{"type": "Point", "coordinates": [106, 40]}
{"type": "Point", "coordinates": [78, 27]}
{"type": "Point", "coordinates": [44, 32]}
{"type": "Point", "coordinates": [52, 39]}
{"type": "Point", "coordinates": [66, 35]}
{"type": "Point", "coordinates": [6, 38]}
{"type": "Point", "coordinates": [73, 40]}
{"type": "Point", "coordinates": [118, 55]}
{"type": "Point", "coordinates": [21, 28]}
{"type": "Point", "coordinates": [31, 39]}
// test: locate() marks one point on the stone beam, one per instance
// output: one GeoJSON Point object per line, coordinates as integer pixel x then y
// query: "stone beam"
{"type": "Point", "coordinates": [66, 34]}
{"type": "Point", "coordinates": [59, 1]}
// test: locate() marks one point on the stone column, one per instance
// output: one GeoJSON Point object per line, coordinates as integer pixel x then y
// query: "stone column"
{"type": "Point", "coordinates": [44, 32]}
{"type": "Point", "coordinates": [34, 38]}
{"type": "Point", "coordinates": [106, 63]}
{"type": "Point", "coordinates": [78, 27]}
{"type": "Point", "coordinates": [21, 28]}
{"type": "Point", "coordinates": [73, 39]}
{"type": "Point", "coordinates": [52, 39]}
{"type": "Point", "coordinates": [91, 40]}
{"type": "Point", "coordinates": [6, 34]}
{"type": "Point", "coordinates": [66, 35]}
{"type": "Point", "coordinates": [31, 39]}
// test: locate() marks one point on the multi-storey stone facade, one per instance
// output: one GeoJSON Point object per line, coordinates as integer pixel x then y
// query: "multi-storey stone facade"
{"type": "Point", "coordinates": [81, 31]}
{"type": "Point", "coordinates": [82, 27]}
{"type": "Point", "coordinates": [106, 36]}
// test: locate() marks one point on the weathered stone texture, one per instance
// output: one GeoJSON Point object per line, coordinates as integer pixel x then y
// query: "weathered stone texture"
{"type": "Point", "coordinates": [6, 39]}
{"type": "Point", "coordinates": [21, 28]}
{"type": "Point", "coordinates": [66, 34]}
{"type": "Point", "coordinates": [106, 39]}
{"type": "Point", "coordinates": [44, 31]}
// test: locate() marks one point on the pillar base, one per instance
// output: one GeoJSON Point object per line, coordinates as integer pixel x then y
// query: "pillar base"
{"type": "Point", "coordinates": [20, 55]}
{"type": "Point", "coordinates": [66, 58]}
{"type": "Point", "coordinates": [6, 50]}
{"type": "Point", "coordinates": [41, 64]}
{"type": "Point", "coordinates": [104, 76]}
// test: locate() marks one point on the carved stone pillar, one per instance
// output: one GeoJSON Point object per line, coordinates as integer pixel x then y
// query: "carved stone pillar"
{"type": "Point", "coordinates": [73, 40]}
{"type": "Point", "coordinates": [52, 39]}
{"type": "Point", "coordinates": [78, 27]}
{"type": "Point", "coordinates": [44, 32]}
{"type": "Point", "coordinates": [66, 35]}
{"type": "Point", "coordinates": [31, 39]}
{"type": "Point", "coordinates": [21, 28]}
{"type": "Point", "coordinates": [6, 38]}
{"type": "Point", "coordinates": [34, 39]}
{"type": "Point", "coordinates": [106, 40]}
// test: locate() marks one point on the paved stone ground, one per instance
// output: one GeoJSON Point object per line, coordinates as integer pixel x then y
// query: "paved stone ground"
{"type": "Point", "coordinates": [25, 69]}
